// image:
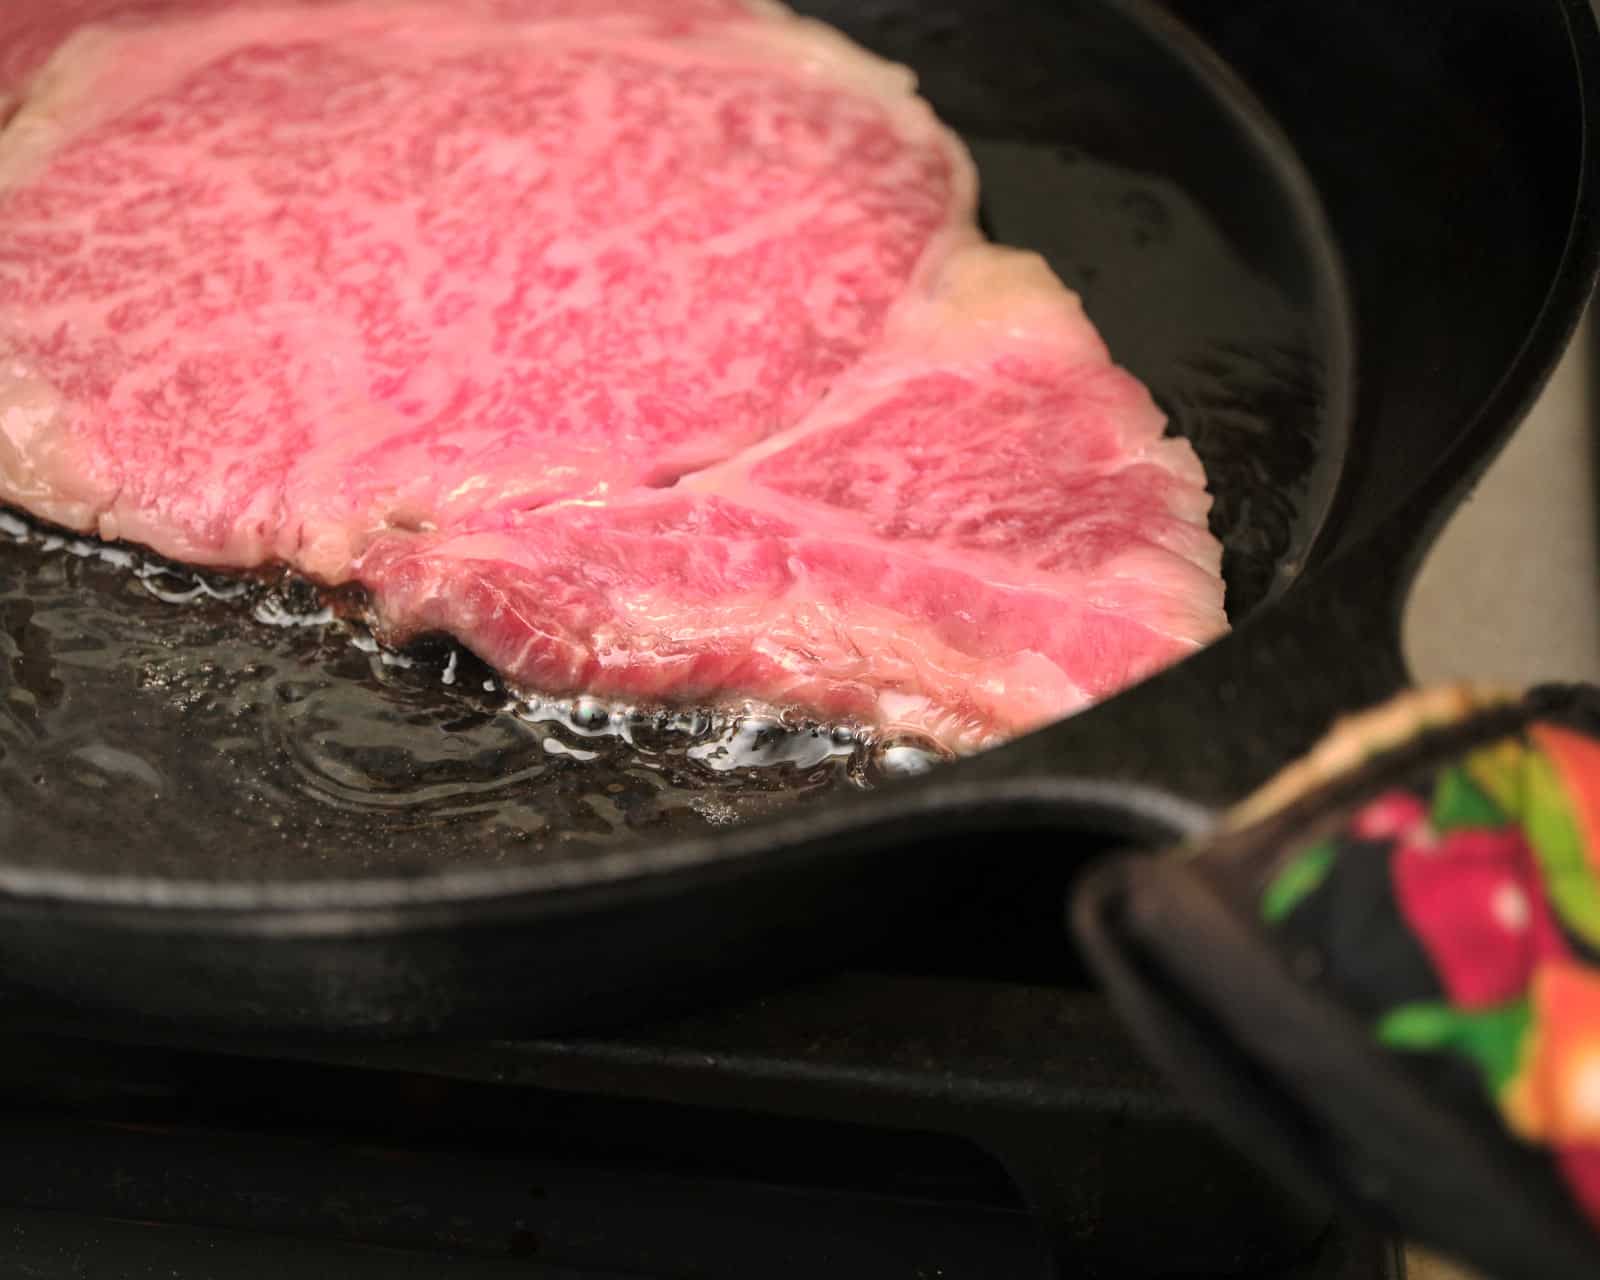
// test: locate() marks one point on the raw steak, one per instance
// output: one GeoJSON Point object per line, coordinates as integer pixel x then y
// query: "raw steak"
{"type": "Point", "coordinates": [652, 353]}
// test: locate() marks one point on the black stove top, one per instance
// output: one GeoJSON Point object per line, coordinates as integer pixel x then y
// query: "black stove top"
{"type": "Point", "coordinates": [872, 1124]}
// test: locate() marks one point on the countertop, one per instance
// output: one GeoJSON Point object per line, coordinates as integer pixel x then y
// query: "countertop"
{"type": "Point", "coordinates": [1512, 588]}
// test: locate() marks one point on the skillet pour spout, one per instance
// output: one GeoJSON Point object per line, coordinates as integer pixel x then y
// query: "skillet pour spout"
{"type": "Point", "coordinates": [1391, 209]}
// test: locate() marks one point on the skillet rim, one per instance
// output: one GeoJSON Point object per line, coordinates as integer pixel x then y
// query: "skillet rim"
{"type": "Point", "coordinates": [388, 904]}
{"type": "Point", "coordinates": [1491, 426]}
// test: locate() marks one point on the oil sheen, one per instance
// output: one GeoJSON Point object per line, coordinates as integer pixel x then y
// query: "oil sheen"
{"type": "Point", "coordinates": [157, 720]}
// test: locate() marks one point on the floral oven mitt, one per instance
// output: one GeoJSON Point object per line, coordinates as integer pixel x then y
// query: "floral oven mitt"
{"type": "Point", "coordinates": [1383, 976]}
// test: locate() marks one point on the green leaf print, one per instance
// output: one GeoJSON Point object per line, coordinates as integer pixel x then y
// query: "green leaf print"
{"type": "Point", "coordinates": [1492, 1038]}
{"type": "Point", "coordinates": [1459, 802]}
{"type": "Point", "coordinates": [1297, 880]}
{"type": "Point", "coordinates": [1558, 844]}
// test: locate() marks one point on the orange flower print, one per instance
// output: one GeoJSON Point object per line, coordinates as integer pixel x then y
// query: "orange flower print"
{"type": "Point", "coordinates": [1554, 1098]}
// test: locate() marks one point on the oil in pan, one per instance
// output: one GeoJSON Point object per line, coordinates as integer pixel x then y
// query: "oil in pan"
{"type": "Point", "coordinates": [155, 717]}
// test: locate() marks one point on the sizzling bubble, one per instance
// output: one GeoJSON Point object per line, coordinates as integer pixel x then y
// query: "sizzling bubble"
{"type": "Point", "coordinates": [159, 719]}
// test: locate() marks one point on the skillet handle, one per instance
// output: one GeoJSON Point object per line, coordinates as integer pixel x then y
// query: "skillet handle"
{"type": "Point", "coordinates": [1197, 738]}
{"type": "Point", "coordinates": [1386, 983]}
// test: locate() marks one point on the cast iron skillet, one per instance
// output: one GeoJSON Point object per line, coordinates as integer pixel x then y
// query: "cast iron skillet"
{"type": "Point", "coordinates": [1346, 286]}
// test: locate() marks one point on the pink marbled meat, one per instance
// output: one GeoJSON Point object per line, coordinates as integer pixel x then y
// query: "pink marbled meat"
{"type": "Point", "coordinates": [32, 30]}
{"type": "Point", "coordinates": [653, 354]}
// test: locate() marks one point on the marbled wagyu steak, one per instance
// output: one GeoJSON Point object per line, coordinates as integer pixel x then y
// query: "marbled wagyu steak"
{"type": "Point", "coordinates": [649, 347]}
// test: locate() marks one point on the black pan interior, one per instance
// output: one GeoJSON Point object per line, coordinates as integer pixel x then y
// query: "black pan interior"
{"type": "Point", "coordinates": [1451, 143]}
{"type": "Point", "coordinates": [150, 729]}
